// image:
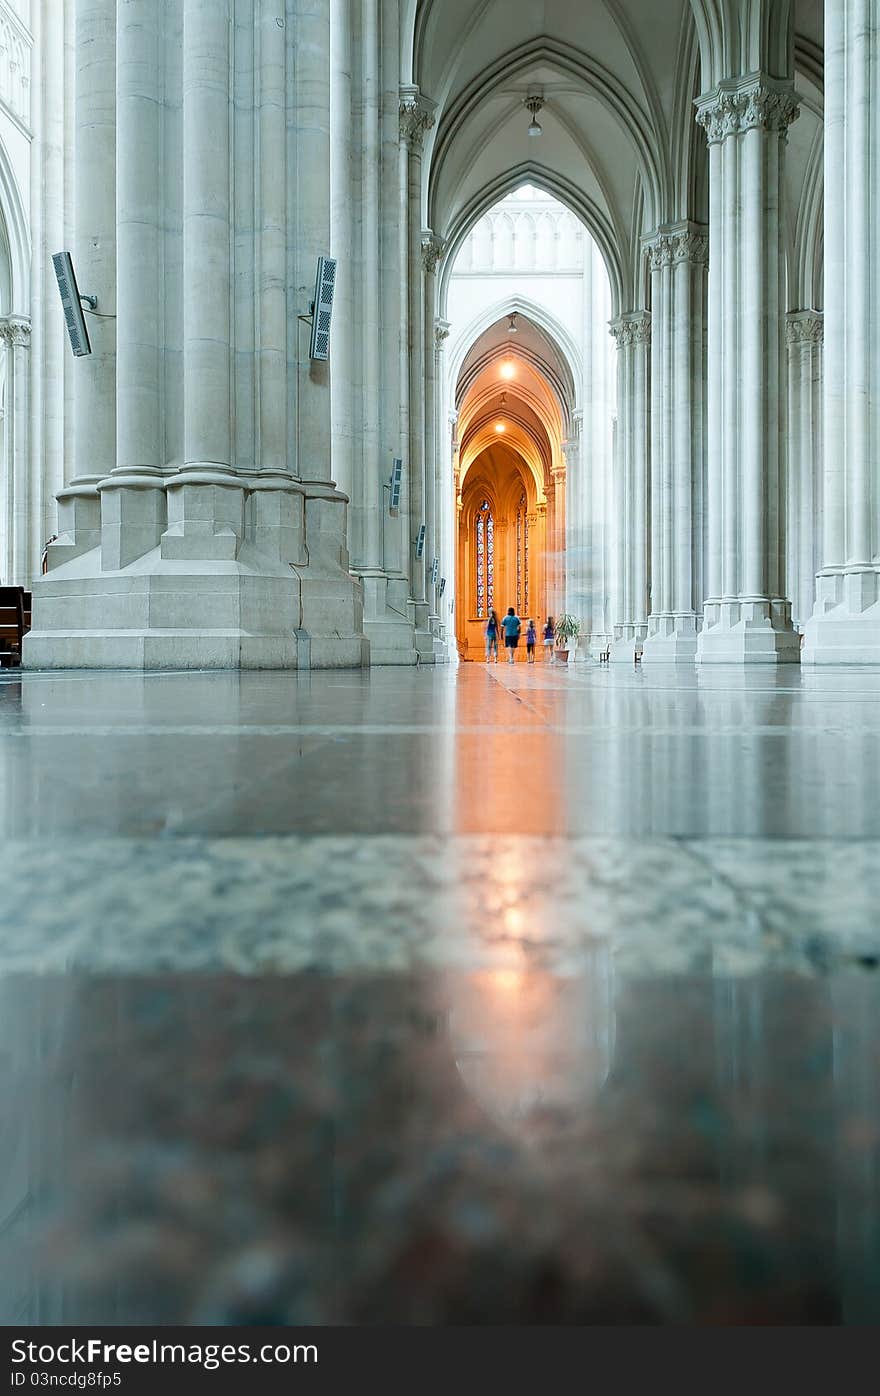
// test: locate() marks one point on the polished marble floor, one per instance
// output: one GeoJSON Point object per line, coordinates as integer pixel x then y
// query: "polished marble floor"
{"type": "Point", "coordinates": [452, 995]}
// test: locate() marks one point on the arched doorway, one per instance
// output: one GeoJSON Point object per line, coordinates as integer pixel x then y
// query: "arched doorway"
{"type": "Point", "coordinates": [501, 544]}
{"type": "Point", "coordinates": [509, 478]}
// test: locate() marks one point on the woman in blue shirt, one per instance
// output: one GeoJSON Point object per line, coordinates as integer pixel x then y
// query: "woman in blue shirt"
{"type": "Point", "coordinates": [512, 626]}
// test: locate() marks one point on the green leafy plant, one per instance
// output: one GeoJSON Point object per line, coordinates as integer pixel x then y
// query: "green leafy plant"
{"type": "Point", "coordinates": [567, 628]}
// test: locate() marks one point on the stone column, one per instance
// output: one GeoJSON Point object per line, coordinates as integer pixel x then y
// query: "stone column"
{"type": "Point", "coordinates": [845, 625]}
{"type": "Point", "coordinates": [677, 258]}
{"type": "Point", "coordinates": [576, 563]}
{"type": "Point", "coordinates": [375, 462]}
{"type": "Point", "coordinates": [598, 455]}
{"type": "Point", "coordinates": [133, 511]}
{"type": "Point", "coordinates": [416, 118]}
{"type": "Point", "coordinates": [556, 522]}
{"type": "Point", "coordinates": [205, 497]}
{"type": "Point", "coordinates": [803, 332]}
{"type": "Point", "coordinates": [275, 516]}
{"type": "Point", "coordinates": [747, 618]}
{"type": "Point", "coordinates": [51, 109]}
{"type": "Point", "coordinates": [332, 601]}
{"type": "Point", "coordinates": [18, 567]}
{"type": "Point", "coordinates": [94, 254]}
{"type": "Point", "coordinates": [436, 467]}
{"type": "Point", "coordinates": [633, 335]}
{"type": "Point", "coordinates": [432, 251]}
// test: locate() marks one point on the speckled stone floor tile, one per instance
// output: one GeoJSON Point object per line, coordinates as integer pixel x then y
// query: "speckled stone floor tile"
{"type": "Point", "coordinates": [454, 996]}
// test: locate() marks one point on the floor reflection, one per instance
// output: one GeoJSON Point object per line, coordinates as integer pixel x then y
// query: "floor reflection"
{"type": "Point", "coordinates": [502, 1146]}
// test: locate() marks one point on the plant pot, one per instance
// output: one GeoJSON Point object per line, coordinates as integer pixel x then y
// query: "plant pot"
{"type": "Point", "coordinates": [562, 656]}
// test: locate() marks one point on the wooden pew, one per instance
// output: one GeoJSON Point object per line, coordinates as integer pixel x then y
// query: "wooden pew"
{"type": "Point", "coordinates": [15, 622]}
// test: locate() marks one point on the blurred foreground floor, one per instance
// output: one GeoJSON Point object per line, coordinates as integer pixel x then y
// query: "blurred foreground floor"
{"type": "Point", "coordinates": [455, 995]}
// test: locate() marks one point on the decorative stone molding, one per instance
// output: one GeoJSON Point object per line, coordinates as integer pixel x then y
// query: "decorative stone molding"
{"type": "Point", "coordinates": [416, 117]}
{"type": "Point", "coordinates": [682, 242]}
{"type": "Point", "coordinates": [433, 248]}
{"type": "Point", "coordinates": [16, 331]}
{"type": "Point", "coordinates": [15, 64]}
{"type": "Point", "coordinates": [441, 334]}
{"type": "Point", "coordinates": [632, 329]}
{"type": "Point", "coordinates": [804, 327]}
{"type": "Point", "coordinates": [746, 104]}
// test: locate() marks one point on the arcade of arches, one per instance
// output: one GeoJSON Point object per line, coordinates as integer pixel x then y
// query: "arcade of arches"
{"type": "Point", "coordinates": [509, 482]}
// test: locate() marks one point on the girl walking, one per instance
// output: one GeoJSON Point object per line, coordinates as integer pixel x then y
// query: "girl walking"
{"type": "Point", "coordinates": [549, 637]}
{"type": "Point", "coordinates": [492, 629]}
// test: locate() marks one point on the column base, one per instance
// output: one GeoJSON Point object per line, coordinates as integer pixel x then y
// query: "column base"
{"type": "Point", "coordinates": [163, 616]}
{"type": "Point", "coordinates": [748, 630]}
{"type": "Point", "coordinates": [423, 639]}
{"type": "Point", "coordinates": [845, 625]}
{"type": "Point", "coordinates": [672, 639]}
{"type": "Point", "coordinates": [387, 625]}
{"type": "Point", "coordinates": [627, 645]}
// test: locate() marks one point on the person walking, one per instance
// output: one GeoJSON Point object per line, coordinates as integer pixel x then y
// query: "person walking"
{"type": "Point", "coordinates": [531, 641]}
{"type": "Point", "coordinates": [492, 629]}
{"type": "Point", "coordinates": [512, 626]}
{"type": "Point", "coordinates": [549, 637]}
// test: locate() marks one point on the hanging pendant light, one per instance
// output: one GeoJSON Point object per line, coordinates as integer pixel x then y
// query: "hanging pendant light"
{"type": "Point", "coordinates": [511, 322]}
{"type": "Point", "coordinates": [534, 104]}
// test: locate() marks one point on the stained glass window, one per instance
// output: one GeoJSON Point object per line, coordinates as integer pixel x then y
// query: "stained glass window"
{"type": "Point", "coordinates": [485, 533]}
{"type": "Point", "coordinates": [522, 557]}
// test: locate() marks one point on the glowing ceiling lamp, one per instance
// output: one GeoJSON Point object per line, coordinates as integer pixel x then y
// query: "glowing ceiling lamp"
{"type": "Point", "coordinates": [500, 428]}
{"type": "Point", "coordinates": [508, 370]}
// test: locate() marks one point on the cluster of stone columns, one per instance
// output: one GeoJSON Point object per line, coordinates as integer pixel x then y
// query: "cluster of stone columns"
{"type": "Point", "coordinates": [746, 616]}
{"type": "Point", "coordinates": [632, 333]}
{"type": "Point", "coordinates": [678, 257]}
{"type": "Point", "coordinates": [201, 527]}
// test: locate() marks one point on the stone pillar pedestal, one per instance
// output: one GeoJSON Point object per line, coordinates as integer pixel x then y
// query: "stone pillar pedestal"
{"type": "Point", "coordinates": [845, 624]}
{"type": "Point", "coordinates": [205, 516]}
{"type": "Point", "coordinates": [633, 335]}
{"type": "Point", "coordinates": [746, 617]}
{"type": "Point", "coordinates": [677, 257]}
{"type": "Point", "coordinates": [332, 606]}
{"type": "Point", "coordinates": [133, 515]}
{"type": "Point", "coordinates": [79, 521]}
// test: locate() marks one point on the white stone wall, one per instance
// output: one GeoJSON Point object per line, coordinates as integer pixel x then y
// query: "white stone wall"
{"type": "Point", "coordinates": [21, 488]}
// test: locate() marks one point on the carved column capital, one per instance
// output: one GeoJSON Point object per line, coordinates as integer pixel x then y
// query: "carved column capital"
{"type": "Point", "coordinates": [804, 327]}
{"type": "Point", "coordinates": [433, 248]}
{"type": "Point", "coordinates": [15, 330]}
{"type": "Point", "coordinates": [632, 329]}
{"type": "Point", "coordinates": [753, 102]}
{"type": "Point", "coordinates": [416, 117]}
{"type": "Point", "coordinates": [441, 333]}
{"type": "Point", "coordinates": [678, 243]}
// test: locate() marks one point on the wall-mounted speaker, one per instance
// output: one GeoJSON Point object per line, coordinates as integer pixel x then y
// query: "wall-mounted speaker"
{"type": "Point", "coordinates": [420, 541]}
{"type": "Point", "coordinates": [442, 585]}
{"type": "Point", "coordinates": [435, 571]}
{"type": "Point", "coordinates": [322, 308]}
{"type": "Point", "coordinates": [71, 299]}
{"type": "Point", "coordinates": [396, 479]}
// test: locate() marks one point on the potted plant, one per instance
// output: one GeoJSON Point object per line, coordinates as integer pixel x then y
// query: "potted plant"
{"type": "Point", "coordinates": [567, 629]}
